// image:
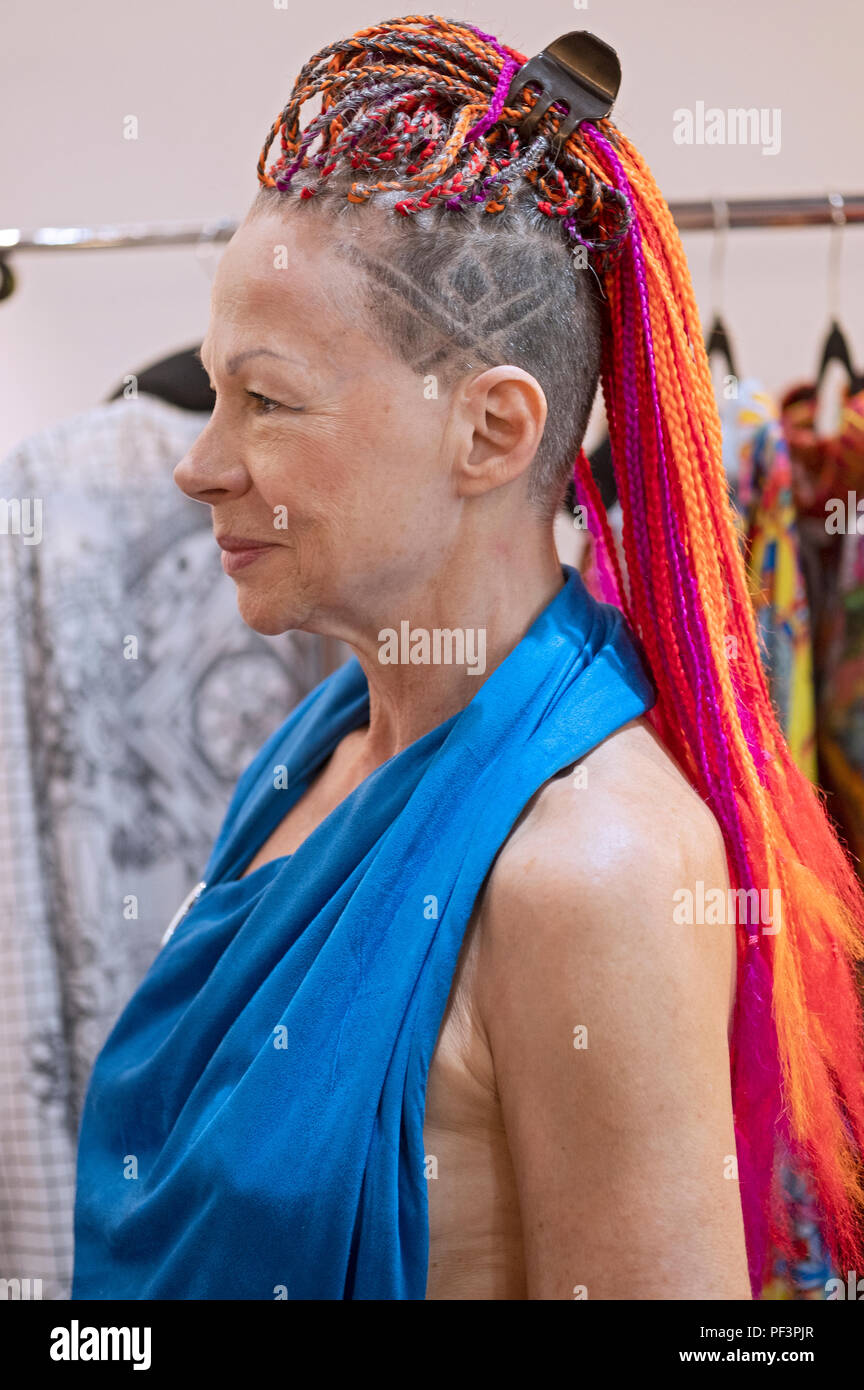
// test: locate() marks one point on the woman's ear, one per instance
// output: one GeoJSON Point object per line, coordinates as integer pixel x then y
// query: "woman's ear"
{"type": "Point", "coordinates": [502, 416]}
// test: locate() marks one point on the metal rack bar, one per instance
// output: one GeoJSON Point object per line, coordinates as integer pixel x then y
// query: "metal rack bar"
{"type": "Point", "coordinates": [112, 238]}
{"type": "Point", "coordinates": [689, 217]}
{"type": "Point", "coordinates": [834, 209]}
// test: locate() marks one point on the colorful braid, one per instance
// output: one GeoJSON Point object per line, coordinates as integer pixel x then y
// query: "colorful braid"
{"type": "Point", "coordinates": [432, 92]}
{"type": "Point", "coordinates": [441, 85]}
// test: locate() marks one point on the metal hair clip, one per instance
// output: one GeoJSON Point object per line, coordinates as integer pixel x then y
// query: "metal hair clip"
{"type": "Point", "coordinates": [578, 71]}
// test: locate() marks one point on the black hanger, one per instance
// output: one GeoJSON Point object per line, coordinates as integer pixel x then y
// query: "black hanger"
{"type": "Point", "coordinates": [179, 379]}
{"type": "Point", "coordinates": [836, 349]}
{"type": "Point", "coordinates": [7, 279]}
{"type": "Point", "coordinates": [718, 341]}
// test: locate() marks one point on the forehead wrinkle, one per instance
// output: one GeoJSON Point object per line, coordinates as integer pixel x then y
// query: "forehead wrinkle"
{"type": "Point", "coordinates": [238, 358]}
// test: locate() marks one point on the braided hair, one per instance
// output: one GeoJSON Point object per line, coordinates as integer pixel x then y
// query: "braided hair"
{"type": "Point", "coordinates": [414, 113]}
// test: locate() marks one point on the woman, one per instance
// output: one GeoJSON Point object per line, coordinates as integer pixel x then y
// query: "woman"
{"type": "Point", "coordinates": [435, 1024]}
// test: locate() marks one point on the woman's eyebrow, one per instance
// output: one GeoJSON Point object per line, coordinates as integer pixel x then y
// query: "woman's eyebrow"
{"type": "Point", "coordinates": [239, 358]}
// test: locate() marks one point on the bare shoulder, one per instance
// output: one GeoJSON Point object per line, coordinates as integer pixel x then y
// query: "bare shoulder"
{"type": "Point", "coordinates": [607, 1023]}
{"type": "Point", "coordinates": [594, 865]}
{"type": "Point", "coordinates": [618, 828]}
{"type": "Point", "coordinates": [625, 807]}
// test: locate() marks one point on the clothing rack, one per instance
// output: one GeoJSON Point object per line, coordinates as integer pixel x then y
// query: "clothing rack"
{"type": "Point", "coordinates": [710, 215]}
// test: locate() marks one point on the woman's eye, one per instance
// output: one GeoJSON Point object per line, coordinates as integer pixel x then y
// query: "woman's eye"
{"type": "Point", "coordinates": [265, 404]}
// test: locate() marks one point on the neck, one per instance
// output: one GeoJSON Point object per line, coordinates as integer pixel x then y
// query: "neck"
{"type": "Point", "coordinates": [442, 639]}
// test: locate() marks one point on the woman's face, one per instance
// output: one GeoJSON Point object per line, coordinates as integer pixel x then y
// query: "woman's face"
{"type": "Point", "coordinates": [323, 449]}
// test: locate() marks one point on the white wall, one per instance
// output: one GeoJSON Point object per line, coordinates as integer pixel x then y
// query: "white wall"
{"type": "Point", "coordinates": [205, 81]}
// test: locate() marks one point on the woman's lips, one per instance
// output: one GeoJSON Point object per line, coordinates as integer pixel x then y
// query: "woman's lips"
{"type": "Point", "coordinates": [238, 552]}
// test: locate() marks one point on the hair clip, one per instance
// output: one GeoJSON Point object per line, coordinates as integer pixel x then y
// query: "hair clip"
{"type": "Point", "coordinates": [578, 71]}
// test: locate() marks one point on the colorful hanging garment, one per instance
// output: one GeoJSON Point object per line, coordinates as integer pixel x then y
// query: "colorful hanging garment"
{"type": "Point", "coordinates": [759, 470]}
{"type": "Point", "coordinates": [829, 481]}
{"type": "Point", "coordinates": [114, 772]}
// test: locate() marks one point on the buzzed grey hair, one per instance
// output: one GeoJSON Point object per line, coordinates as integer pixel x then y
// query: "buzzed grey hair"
{"type": "Point", "coordinates": [448, 290]}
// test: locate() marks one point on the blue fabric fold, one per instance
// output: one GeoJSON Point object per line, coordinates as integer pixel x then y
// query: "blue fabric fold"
{"type": "Point", "coordinates": [253, 1126]}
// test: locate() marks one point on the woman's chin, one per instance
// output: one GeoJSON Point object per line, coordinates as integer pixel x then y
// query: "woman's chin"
{"type": "Point", "coordinates": [263, 615]}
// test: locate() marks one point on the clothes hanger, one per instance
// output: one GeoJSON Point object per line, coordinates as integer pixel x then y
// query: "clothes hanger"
{"type": "Point", "coordinates": [178, 379]}
{"type": "Point", "coordinates": [836, 349]}
{"type": "Point", "coordinates": [836, 345]}
{"type": "Point", "coordinates": [717, 344]}
{"type": "Point", "coordinates": [718, 341]}
{"type": "Point", "coordinates": [823, 425]}
{"type": "Point", "coordinates": [7, 279]}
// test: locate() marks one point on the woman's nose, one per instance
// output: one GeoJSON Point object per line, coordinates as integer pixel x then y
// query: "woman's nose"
{"type": "Point", "coordinates": [207, 473]}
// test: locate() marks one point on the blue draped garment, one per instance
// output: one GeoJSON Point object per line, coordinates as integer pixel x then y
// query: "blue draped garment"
{"type": "Point", "coordinates": [253, 1126]}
